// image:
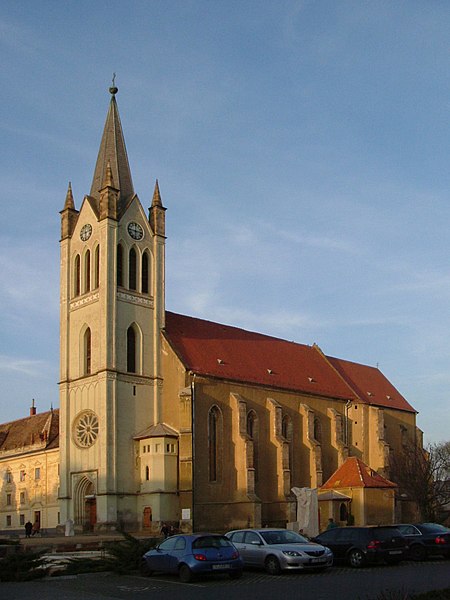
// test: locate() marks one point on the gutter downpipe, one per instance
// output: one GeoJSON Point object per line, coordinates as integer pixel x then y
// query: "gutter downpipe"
{"type": "Point", "coordinates": [193, 445]}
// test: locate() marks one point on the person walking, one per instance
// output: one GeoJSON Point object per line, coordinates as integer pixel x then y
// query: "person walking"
{"type": "Point", "coordinates": [331, 523]}
{"type": "Point", "coordinates": [28, 529]}
{"type": "Point", "coordinates": [36, 528]}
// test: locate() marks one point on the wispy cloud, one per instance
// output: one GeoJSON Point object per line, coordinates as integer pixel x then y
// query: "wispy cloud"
{"type": "Point", "coordinates": [29, 367]}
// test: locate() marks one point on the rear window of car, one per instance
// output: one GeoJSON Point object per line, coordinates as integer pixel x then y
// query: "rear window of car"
{"type": "Point", "coordinates": [386, 533]}
{"type": "Point", "coordinates": [433, 528]}
{"type": "Point", "coordinates": [211, 541]}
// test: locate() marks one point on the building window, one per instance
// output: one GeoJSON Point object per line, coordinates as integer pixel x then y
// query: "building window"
{"type": "Point", "coordinates": [22, 475]}
{"type": "Point", "coordinates": [317, 430]}
{"type": "Point", "coordinates": [343, 513]}
{"type": "Point", "coordinates": [252, 432]}
{"type": "Point", "coordinates": [87, 351]}
{"type": "Point", "coordinates": [77, 274]}
{"type": "Point", "coordinates": [8, 477]}
{"type": "Point", "coordinates": [22, 497]}
{"type": "Point", "coordinates": [119, 265]}
{"type": "Point", "coordinates": [87, 271]}
{"type": "Point", "coordinates": [132, 270]}
{"type": "Point", "coordinates": [131, 350]}
{"type": "Point", "coordinates": [8, 499]}
{"type": "Point", "coordinates": [8, 520]}
{"type": "Point", "coordinates": [214, 443]}
{"type": "Point", "coordinates": [21, 519]}
{"type": "Point", "coordinates": [147, 473]}
{"type": "Point", "coordinates": [97, 267]}
{"type": "Point", "coordinates": [144, 274]}
{"type": "Point", "coordinates": [37, 473]}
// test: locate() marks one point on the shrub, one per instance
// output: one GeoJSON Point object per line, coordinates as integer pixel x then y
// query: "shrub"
{"type": "Point", "coordinates": [22, 566]}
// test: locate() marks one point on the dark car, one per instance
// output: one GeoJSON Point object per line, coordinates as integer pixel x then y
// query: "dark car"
{"type": "Point", "coordinates": [277, 550]}
{"type": "Point", "coordinates": [426, 539]}
{"type": "Point", "coordinates": [361, 545]}
{"type": "Point", "coordinates": [192, 555]}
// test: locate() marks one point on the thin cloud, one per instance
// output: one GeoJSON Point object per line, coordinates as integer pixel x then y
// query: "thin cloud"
{"type": "Point", "coordinates": [29, 367]}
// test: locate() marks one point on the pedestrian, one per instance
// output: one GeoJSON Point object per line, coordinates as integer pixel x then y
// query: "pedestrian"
{"type": "Point", "coordinates": [165, 530]}
{"type": "Point", "coordinates": [331, 524]}
{"type": "Point", "coordinates": [36, 528]}
{"type": "Point", "coordinates": [28, 529]}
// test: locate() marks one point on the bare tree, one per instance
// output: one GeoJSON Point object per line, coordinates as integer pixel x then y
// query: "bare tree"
{"type": "Point", "coordinates": [423, 475]}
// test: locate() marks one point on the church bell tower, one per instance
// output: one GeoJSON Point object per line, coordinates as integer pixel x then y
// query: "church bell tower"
{"type": "Point", "coordinates": [111, 314]}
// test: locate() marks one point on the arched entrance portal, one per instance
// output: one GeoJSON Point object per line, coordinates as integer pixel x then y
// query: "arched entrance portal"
{"type": "Point", "coordinates": [85, 504]}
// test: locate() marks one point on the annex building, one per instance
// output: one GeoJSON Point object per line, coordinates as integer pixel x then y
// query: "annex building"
{"type": "Point", "coordinates": [166, 417]}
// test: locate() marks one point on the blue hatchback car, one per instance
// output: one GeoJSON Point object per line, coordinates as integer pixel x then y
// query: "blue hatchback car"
{"type": "Point", "coordinates": [192, 555]}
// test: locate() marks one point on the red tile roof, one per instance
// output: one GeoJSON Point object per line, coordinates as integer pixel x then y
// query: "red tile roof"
{"type": "Point", "coordinates": [34, 433]}
{"type": "Point", "coordinates": [226, 352]}
{"type": "Point", "coordinates": [370, 385]}
{"type": "Point", "coordinates": [235, 354]}
{"type": "Point", "coordinates": [355, 473]}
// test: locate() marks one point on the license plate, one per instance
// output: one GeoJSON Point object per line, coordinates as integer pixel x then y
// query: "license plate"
{"type": "Point", "coordinates": [395, 551]}
{"type": "Point", "coordinates": [317, 560]}
{"type": "Point", "coordinates": [221, 567]}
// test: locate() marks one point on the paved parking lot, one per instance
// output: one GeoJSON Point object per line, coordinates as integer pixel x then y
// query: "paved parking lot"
{"type": "Point", "coordinates": [338, 583]}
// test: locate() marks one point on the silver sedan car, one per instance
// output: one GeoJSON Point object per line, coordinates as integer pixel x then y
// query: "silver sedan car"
{"type": "Point", "coordinates": [279, 550]}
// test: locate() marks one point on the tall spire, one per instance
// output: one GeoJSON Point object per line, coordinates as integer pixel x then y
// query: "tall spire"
{"type": "Point", "coordinates": [113, 151]}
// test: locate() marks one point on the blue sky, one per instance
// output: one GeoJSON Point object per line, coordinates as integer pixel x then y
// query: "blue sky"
{"type": "Point", "coordinates": [301, 149]}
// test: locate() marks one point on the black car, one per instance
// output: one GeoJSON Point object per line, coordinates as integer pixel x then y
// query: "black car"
{"type": "Point", "coordinates": [426, 539]}
{"type": "Point", "coordinates": [361, 545]}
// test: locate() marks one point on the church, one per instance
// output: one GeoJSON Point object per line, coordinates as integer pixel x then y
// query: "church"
{"type": "Point", "coordinates": [170, 418]}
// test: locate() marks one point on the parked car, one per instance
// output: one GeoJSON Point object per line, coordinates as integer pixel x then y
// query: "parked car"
{"type": "Point", "coordinates": [192, 555]}
{"type": "Point", "coordinates": [279, 550]}
{"type": "Point", "coordinates": [426, 539]}
{"type": "Point", "coordinates": [361, 545]}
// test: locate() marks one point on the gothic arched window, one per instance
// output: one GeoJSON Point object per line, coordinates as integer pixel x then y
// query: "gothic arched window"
{"type": "Point", "coordinates": [317, 430]}
{"type": "Point", "coordinates": [97, 267]}
{"type": "Point", "coordinates": [119, 265]}
{"type": "Point", "coordinates": [144, 274]}
{"type": "Point", "coordinates": [87, 351]}
{"type": "Point", "coordinates": [87, 271]}
{"type": "Point", "coordinates": [132, 269]}
{"type": "Point", "coordinates": [253, 434]}
{"type": "Point", "coordinates": [131, 350]}
{"type": "Point", "coordinates": [214, 443]}
{"type": "Point", "coordinates": [77, 276]}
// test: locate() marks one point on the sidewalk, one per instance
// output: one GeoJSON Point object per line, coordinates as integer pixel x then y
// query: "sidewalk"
{"type": "Point", "coordinates": [86, 541]}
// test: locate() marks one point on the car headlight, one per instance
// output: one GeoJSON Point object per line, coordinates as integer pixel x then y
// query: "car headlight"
{"type": "Point", "coordinates": [291, 553]}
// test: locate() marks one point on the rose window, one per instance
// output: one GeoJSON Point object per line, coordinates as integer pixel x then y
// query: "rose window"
{"type": "Point", "coordinates": [86, 429]}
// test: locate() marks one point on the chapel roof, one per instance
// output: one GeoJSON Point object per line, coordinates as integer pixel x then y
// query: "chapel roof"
{"type": "Point", "coordinates": [355, 473]}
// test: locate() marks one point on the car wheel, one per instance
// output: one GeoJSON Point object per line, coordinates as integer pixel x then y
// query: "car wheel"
{"type": "Point", "coordinates": [235, 574]}
{"type": "Point", "coordinates": [417, 552]}
{"type": "Point", "coordinates": [272, 565]}
{"type": "Point", "coordinates": [144, 568]}
{"type": "Point", "coordinates": [185, 574]}
{"type": "Point", "coordinates": [356, 558]}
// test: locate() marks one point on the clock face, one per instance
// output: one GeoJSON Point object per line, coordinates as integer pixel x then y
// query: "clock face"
{"type": "Point", "coordinates": [85, 232]}
{"type": "Point", "coordinates": [135, 231]}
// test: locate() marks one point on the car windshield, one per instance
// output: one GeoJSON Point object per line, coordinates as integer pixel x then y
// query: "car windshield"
{"type": "Point", "coordinates": [211, 541]}
{"type": "Point", "coordinates": [282, 537]}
